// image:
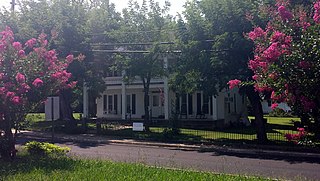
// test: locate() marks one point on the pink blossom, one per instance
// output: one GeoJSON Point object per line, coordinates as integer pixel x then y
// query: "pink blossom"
{"type": "Point", "coordinates": [16, 100]}
{"type": "Point", "coordinates": [288, 136]}
{"type": "Point", "coordinates": [274, 105]}
{"type": "Point", "coordinates": [280, 37]}
{"type": "Point", "coordinates": [42, 40]}
{"type": "Point", "coordinates": [262, 88]}
{"type": "Point", "coordinates": [304, 65]}
{"type": "Point", "coordinates": [22, 53]}
{"type": "Point", "coordinates": [257, 33]}
{"type": "Point", "coordinates": [263, 65]}
{"type": "Point", "coordinates": [2, 90]}
{"type": "Point", "coordinates": [30, 43]}
{"type": "Point", "coordinates": [253, 65]}
{"type": "Point", "coordinates": [37, 82]}
{"type": "Point", "coordinates": [233, 83]}
{"type": "Point", "coordinates": [274, 96]}
{"type": "Point", "coordinates": [272, 76]}
{"type": "Point", "coordinates": [72, 84]}
{"type": "Point", "coordinates": [17, 45]}
{"type": "Point", "coordinates": [10, 94]}
{"type": "Point", "coordinates": [20, 78]}
{"type": "Point", "coordinates": [81, 57]}
{"type": "Point", "coordinates": [272, 53]}
{"type": "Point", "coordinates": [7, 35]}
{"type": "Point", "coordinates": [303, 18]}
{"type": "Point", "coordinates": [316, 16]}
{"type": "Point", "coordinates": [284, 13]}
{"type": "Point", "coordinates": [255, 77]}
{"type": "Point", "coordinates": [69, 58]}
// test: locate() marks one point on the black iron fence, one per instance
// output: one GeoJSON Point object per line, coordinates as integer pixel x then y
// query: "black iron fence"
{"type": "Point", "coordinates": [186, 131]}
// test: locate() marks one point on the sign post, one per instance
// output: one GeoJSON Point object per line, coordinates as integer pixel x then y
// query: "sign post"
{"type": "Point", "coordinates": [52, 112]}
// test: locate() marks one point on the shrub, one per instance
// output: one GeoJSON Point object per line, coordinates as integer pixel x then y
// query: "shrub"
{"type": "Point", "coordinates": [45, 149]}
{"type": "Point", "coordinates": [301, 138]}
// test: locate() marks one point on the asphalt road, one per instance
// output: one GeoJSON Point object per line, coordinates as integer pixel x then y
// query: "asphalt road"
{"type": "Point", "coordinates": [272, 167]}
{"type": "Point", "coordinates": [277, 167]}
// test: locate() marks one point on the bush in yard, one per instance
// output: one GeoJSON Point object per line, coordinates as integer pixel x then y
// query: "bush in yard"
{"type": "Point", "coordinates": [29, 73]}
{"type": "Point", "coordinates": [301, 138]}
{"type": "Point", "coordinates": [45, 149]}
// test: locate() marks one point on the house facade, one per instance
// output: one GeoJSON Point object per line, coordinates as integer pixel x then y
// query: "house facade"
{"type": "Point", "coordinates": [122, 100]}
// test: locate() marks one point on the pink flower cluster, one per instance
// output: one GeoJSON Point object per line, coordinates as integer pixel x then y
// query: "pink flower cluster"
{"type": "Point", "coordinates": [284, 13]}
{"type": "Point", "coordinates": [280, 44]}
{"type": "Point", "coordinates": [303, 20]}
{"type": "Point", "coordinates": [233, 83]}
{"type": "Point", "coordinates": [257, 33]}
{"type": "Point", "coordinates": [316, 16]}
{"type": "Point", "coordinates": [296, 137]}
{"type": "Point", "coordinates": [39, 70]}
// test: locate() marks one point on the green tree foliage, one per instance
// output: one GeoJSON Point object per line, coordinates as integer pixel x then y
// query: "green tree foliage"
{"type": "Point", "coordinates": [215, 50]}
{"type": "Point", "coordinates": [144, 27]}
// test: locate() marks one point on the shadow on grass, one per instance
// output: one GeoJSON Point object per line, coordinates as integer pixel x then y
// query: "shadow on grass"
{"type": "Point", "coordinates": [26, 164]}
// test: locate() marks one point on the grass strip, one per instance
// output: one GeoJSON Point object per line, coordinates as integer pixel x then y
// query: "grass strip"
{"type": "Point", "coordinates": [35, 168]}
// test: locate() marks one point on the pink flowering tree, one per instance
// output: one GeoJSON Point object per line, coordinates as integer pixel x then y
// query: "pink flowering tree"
{"type": "Point", "coordinates": [286, 57]}
{"type": "Point", "coordinates": [29, 73]}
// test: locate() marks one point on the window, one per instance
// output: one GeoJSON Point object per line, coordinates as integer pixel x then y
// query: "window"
{"type": "Point", "coordinates": [155, 101]}
{"type": "Point", "coordinates": [110, 104]}
{"type": "Point", "coordinates": [190, 104]}
{"type": "Point", "coordinates": [105, 98]}
{"type": "Point", "coordinates": [131, 104]}
{"type": "Point", "coordinates": [205, 104]}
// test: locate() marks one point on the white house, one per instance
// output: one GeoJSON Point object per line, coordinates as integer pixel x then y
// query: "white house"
{"type": "Point", "coordinates": [122, 101]}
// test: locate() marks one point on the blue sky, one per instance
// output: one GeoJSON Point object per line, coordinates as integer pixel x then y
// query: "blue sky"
{"type": "Point", "coordinates": [176, 5]}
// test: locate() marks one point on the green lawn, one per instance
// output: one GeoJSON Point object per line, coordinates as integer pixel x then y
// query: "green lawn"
{"type": "Point", "coordinates": [27, 168]}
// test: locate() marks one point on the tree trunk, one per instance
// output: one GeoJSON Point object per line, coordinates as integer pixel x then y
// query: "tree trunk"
{"type": "Point", "coordinates": [7, 147]}
{"type": "Point", "coordinates": [146, 84]}
{"type": "Point", "coordinates": [66, 113]}
{"type": "Point", "coordinates": [146, 109]}
{"type": "Point", "coordinates": [260, 124]}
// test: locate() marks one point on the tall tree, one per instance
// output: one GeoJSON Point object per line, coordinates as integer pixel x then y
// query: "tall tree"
{"type": "Point", "coordinates": [144, 26]}
{"type": "Point", "coordinates": [215, 48]}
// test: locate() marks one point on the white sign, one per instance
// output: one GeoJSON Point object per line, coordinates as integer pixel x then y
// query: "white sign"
{"type": "Point", "coordinates": [52, 108]}
{"type": "Point", "coordinates": [137, 127]}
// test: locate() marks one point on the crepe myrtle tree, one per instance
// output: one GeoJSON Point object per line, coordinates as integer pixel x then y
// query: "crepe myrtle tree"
{"type": "Point", "coordinates": [286, 59]}
{"type": "Point", "coordinates": [29, 73]}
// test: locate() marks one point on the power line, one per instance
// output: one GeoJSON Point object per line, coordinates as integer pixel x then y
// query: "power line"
{"type": "Point", "coordinates": [124, 44]}
{"type": "Point", "coordinates": [146, 51]}
{"type": "Point", "coordinates": [134, 32]}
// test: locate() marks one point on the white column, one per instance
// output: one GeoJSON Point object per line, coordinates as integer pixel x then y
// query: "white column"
{"type": "Point", "coordinates": [214, 108]}
{"type": "Point", "coordinates": [123, 97]}
{"type": "Point", "coordinates": [166, 90]}
{"type": "Point", "coordinates": [85, 101]}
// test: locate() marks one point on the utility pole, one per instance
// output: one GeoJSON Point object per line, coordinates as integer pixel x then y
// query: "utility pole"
{"type": "Point", "coordinates": [13, 3]}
